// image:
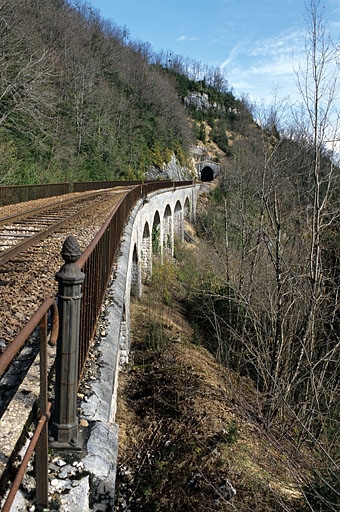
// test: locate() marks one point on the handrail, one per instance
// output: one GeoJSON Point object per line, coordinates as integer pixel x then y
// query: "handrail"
{"type": "Point", "coordinates": [39, 441]}
{"type": "Point", "coordinates": [23, 466]}
{"type": "Point", "coordinates": [11, 194]}
{"type": "Point", "coordinates": [13, 349]}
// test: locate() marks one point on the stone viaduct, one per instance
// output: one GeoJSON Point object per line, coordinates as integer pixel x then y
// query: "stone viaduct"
{"type": "Point", "coordinates": [152, 227]}
{"type": "Point", "coordinates": [155, 222]}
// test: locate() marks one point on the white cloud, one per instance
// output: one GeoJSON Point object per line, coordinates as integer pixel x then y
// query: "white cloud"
{"type": "Point", "coordinates": [233, 56]}
{"type": "Point", "coordinates": [279, 67]}
{"type": "Point", "coordinates": [264, 64]}
{"type": "Point", "coordinates": [188, 38]}
{"type": "Point", "coordinates": [287, 44]}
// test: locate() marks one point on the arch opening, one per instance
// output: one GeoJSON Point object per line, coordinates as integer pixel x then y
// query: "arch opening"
{"type": "Point", "coordinates": [187, 209]}
{"type": "Point", "coordinates": [156, 234]}
{"type": "Point", "coordinates": [178, 220]}
{"type": "Point", "coordinates": [167, 234]}
{"type": "Point", "coordinates": [135, 275]}
{"type": "Point", "coordinates": [146, 259]}
{"type": "Point", "coordinates": [207, 173]}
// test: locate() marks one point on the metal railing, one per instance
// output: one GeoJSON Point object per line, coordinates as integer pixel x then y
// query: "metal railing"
{"type": "Point", "coordinates": [98, 258]}
{"type": "Point", "coordinates": [83, 186]}
{"type": "Point", "coordinates": [20, 193]}
{"type": "Point", "coordinates": [39, 441]}
{"type": "Point", "coordinates": [96, 262]}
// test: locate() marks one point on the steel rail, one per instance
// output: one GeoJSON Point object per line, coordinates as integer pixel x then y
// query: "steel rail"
{"type": "Point", "coordinates": [61, 202]}
{"type": "Point", "coordinates": [13, 251]}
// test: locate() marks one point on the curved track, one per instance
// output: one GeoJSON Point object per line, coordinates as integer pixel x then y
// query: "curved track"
{"type": "Point", "coordinates": [23, 230]}
{"type": "Point", "coordinates": [30, 245]}
{"type": "Point", "coordinates": [27, 269]}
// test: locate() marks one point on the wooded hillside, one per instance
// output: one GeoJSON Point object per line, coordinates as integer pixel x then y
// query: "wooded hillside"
{"type": "Point", "coordinates": [78, 100]}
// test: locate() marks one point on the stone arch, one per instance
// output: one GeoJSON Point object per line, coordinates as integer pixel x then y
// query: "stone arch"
{"type": "Point", "coordinates": [207, 173]}
{"type": "Point", "coordinates": [135, 274]}
{"type": "Point", "coordinates": [187, 209]}
{"type": "Point", "coordinates": [168, 230]}
{"type": "Point", "coordinates": [119, 315]}
{"type": "Point", "coordinates": [178, 220]}
{"type": "Point", "coordinates": [156, 234]}
{"type": "Point", "coordinates": [146, 251]}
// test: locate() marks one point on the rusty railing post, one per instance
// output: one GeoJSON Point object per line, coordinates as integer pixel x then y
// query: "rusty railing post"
{"type": "Point", "coordinates": [41, 450]}
{"type": "Point", "coordinates": [64, 427]}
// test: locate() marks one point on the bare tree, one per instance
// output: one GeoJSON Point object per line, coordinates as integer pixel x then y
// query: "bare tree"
{"type": "Point", "coordinates": [26, 73]}
{"type": "Point", "coordinates": [282, 209]}
{"type": "Point", "coordinates": [318, 88]}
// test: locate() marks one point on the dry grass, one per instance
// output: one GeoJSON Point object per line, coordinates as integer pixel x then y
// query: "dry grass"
{"type": "Point", "coordinates": [190, 429]}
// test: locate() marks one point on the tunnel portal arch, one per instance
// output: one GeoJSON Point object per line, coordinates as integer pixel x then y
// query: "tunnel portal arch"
{"type": "Point", "coordinates": [207, 170]}
{"type": "Point", "coordinates": [207, 173]}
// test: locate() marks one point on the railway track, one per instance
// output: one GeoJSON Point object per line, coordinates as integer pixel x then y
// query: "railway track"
{"type": "Point", "coordinates": [31, 241]}
{"type": "Point", "coordinates": [30, 245]}
{"type": "Point", "coordinates": [22, 230]}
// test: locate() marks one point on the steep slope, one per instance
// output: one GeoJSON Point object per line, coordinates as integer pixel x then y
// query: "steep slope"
{"type": "Point", "coordinates": [192, 435]}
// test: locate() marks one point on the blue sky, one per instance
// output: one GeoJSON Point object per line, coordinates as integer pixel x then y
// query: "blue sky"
{"type": "Point", "coordinates": [257, 43]}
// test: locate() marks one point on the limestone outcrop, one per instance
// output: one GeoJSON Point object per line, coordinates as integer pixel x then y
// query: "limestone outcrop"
{"type": "Point", "coordinates": [198, 100]}
{"type": "Point", "coordinates": [170, 171]}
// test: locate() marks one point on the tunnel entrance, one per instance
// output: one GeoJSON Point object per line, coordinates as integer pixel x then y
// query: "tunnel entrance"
{"type": "Point", "coordinates": [207, 174]}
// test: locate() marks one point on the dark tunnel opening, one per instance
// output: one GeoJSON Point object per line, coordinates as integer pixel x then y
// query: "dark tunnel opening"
{"type": "Point", "coordinates": [207, 174]}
